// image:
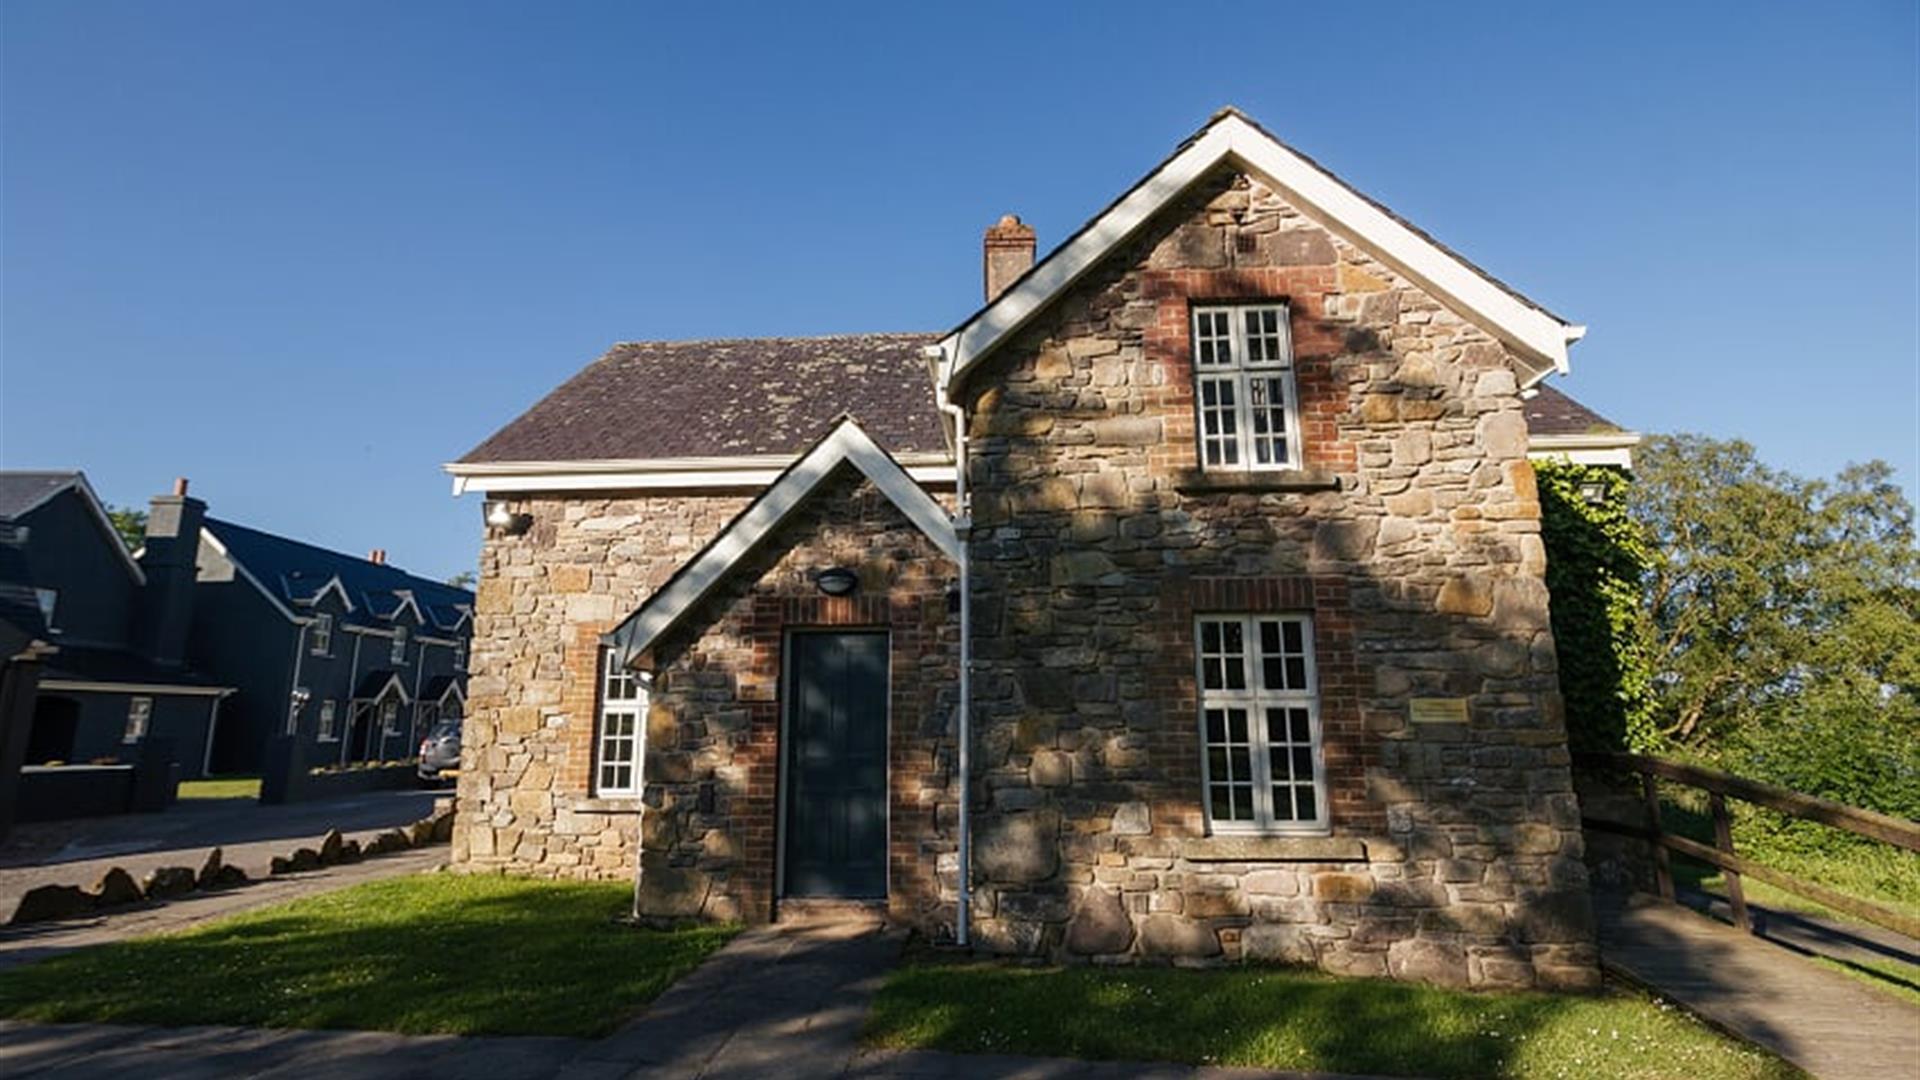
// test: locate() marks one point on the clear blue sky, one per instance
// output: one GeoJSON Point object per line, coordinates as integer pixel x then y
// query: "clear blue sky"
{"type": "Point", "coordinates": [305, 254]}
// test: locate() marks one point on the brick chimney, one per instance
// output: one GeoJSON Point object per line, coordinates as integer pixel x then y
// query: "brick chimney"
{"type": "Point", "coordinates": [378, 556]}
{"type": "Point", "coordinates": [172, 551]}
{"type": "Point", "coordinates": [1009, 253]}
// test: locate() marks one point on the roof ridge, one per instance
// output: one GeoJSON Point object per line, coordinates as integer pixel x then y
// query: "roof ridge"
{"type": "Point", "coordinates": [362, 562]}
{"type": "Point", "coordinates": [934, 334]}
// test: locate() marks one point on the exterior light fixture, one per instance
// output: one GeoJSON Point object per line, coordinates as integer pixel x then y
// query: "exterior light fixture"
{"type": "Point", "coordinates": [836, 581]}
{"type": "Point", "coordinates": [1593, 493]}
{"type": "Point", "coordinates": [499, 517]}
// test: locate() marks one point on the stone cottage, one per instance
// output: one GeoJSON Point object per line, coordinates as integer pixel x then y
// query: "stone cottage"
{"type": "Point", "coordinates": [1186, 602]}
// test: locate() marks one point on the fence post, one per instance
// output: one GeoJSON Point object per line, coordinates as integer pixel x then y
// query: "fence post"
{"type": "Point", "coordinates": [1662, 862]}
{"type": "Point", "coordinates": [1723, 840]}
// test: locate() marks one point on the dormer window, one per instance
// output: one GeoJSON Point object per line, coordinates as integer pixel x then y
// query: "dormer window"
{"type": "Point", "coordinates": [398, 654]}
{"type": "Point", "coordinates": [1243, 387]}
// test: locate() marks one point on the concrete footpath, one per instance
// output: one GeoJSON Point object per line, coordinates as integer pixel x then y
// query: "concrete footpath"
{"type": "Point", "coordinates": [784, 1001]}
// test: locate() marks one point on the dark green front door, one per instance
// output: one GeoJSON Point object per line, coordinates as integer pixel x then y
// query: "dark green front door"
{"type": "Point", "coordinates": [836, 762]}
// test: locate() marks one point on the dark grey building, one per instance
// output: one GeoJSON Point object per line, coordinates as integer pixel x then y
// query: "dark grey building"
{"type": "Point", "coordinates": [354, 656]}
{"type": "Point", "coordinates": [115, 675]}
{"type": "Point", "coordinates": [219, 637]}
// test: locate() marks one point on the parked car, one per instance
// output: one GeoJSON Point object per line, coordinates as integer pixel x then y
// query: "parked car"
{"type": "Point", "coordinates": [440, 752]}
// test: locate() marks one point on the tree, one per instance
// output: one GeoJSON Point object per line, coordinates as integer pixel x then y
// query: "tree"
{"type": "Point", "coordinates": [130, 523]}
{"type": "Point", "coordinates": [1772, 599]}
{"type": "Point", "coordinates": [465, 579]}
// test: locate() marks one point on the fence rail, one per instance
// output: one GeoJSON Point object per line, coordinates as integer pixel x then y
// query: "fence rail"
{"type": "Point", "coordinates": [1720, 786]}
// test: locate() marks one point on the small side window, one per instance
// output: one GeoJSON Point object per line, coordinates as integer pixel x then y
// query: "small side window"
{"type": "Point", "coordinates": [321, 635]}
{"type": "Point", "coordinates": [139, 712]}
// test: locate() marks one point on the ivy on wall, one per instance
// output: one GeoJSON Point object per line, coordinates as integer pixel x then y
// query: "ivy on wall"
{"type": "Point", "coordinates": [1596, 560]}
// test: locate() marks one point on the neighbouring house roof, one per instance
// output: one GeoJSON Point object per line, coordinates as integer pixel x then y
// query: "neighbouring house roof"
{"type": "Point", "coordinates": [648, 401]}
{"type": "Point", "coordinates": [845, 444]}
{"type": "Point", "coordinates": [375, 685]}
{"type": "Point", "coordinates": [22, 491]}
{"type": "Point", "coordinates": [75, 667]}
{"type": "Point", "coordinates": [294, 573]}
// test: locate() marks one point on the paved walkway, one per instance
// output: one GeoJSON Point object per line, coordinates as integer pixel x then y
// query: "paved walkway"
{"type": "Point", "coordinates": [785, 1001]}
{"type": "Point", "coordinates": [36, 941]}
{"type": "Point", "coordinates": [1824, 1022]}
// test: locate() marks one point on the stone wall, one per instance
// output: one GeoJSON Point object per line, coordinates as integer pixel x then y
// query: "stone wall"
{"type": "Point", "coordinates": [713, 733]}
{"type": "Point", "coordinates": [544, 599]}
{"type": "Point", "coordinates": [1411, 534]}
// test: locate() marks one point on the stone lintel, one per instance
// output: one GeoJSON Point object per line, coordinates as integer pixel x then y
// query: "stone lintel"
{"type": "Point", "coordinates": [606, 806]}
{"type": "Point", "coordinates": [1202, 482]}
{"type": "Point", "coordinates": [1275, 849]}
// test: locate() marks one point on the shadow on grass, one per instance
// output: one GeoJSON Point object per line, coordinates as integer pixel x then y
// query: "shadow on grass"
{"type": "Point", "coordinates": [1287, 1019]}
{"type": "Point", "coordinates": [459, 955]}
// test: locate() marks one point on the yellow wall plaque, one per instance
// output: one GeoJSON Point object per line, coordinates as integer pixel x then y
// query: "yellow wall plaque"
{"type": "Point", "coordinates": [1438, 710]}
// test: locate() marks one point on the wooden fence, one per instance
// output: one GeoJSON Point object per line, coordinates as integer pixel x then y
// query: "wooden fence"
{"type": "Point", "coordinates": [1720, 787]}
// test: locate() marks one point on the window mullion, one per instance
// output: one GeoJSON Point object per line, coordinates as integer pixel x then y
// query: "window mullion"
{"type": "Point", "coordinates": [1243, 387]}
{"type": "Point", "coordinates": [1257, 730]}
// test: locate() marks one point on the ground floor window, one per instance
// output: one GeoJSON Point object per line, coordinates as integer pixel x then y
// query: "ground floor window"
{"type": "Point", "coordinates": [139, 713]}
{"type": "Point", "coordinates": [327, 732]}
{"type": "Point", "coordinates": [390, 717]}
{"type": "Point", "coordinates": [1260, 724]}
{"type": "Point", "coordinates": [623, 702]}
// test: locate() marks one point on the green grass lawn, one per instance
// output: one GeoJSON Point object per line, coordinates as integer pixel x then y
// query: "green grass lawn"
{"type": "Point", "coordinates": [221, 787]}
{"type": "Point", "coordinates": [1287, 1019]}
{"type": "Point", "coordinates": [429, 953]}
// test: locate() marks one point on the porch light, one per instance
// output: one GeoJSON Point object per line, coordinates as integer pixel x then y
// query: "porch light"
{"type": "Point", "coordinates": [836, 581]}
{"type": "Point", "coordinates": [499, 517]}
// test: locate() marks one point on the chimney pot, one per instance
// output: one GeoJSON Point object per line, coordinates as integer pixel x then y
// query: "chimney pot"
{"type": "Point", "coordinates": [1008, 253]}
{"type": "Point", "coordinates": [179, 485]}
{"type": "Point", "coordinates": [378, 556]}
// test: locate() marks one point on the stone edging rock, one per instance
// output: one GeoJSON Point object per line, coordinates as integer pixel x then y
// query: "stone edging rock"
{"type": "Point", "coordinates": [117, 888]}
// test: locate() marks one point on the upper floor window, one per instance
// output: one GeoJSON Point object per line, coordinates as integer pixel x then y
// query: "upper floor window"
{"type": "Point", "coordinates": [623, 701]}
{"type": "Point", "coordinates": [322, 634]}
{"type": "Point", "coordinates": [1243, 387]}
{"type": "Point", "coordinates": [1260, 724]}
{"type": "Point", "coordinates": [139, 713]}
{"type": "Point", "coordinates": [460, 654]}
{"type": "Point", "coordinates": [398, 653]}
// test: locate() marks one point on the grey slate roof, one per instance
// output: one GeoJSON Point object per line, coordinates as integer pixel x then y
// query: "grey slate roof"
{"type": "Point", "coordinates": [295, 571]}
{"type": "Point", "coordinates": [1551, 412]}
{"type": "Point", "coordinates": [21, 491]}
{"type": "Point", "coordinates": [742, 396]}
{"type": "Point", "coordinates": [729, 398]}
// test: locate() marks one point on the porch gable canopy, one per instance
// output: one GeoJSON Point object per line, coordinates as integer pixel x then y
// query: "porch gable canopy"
{"type": "Point", "coordinates": [846, 443]}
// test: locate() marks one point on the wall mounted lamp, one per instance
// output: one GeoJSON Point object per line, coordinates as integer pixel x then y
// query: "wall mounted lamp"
{"type": "Point", "coordinates": [499, 517]}
{"type": "Point", "coordinates": [836, 581]}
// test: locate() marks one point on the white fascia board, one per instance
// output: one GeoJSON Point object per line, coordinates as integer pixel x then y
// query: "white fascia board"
{"type": "Point", "coordinates": [1613, 448]}
{"type": "Point", "coordinates": [333, 583]}
{"type": "Point", "coordinates": [1539, 337]}
{"type": "Point", "coordinates": [155, 689]}
{"type": "Point", "coordinates": [748, 473]}
{"type": "Point", "coordinates": [454, 689]}
{"type": "Point", "coordinates": [221, 549]}
{"type": "Point", "coordinates": [369, 631]}
{"type": "Point", "coordinates": [847, 443]}
{"type": "Point", "coordinates": [1061, 269]}
{"type": "Point", "coordinates": [407, 601]}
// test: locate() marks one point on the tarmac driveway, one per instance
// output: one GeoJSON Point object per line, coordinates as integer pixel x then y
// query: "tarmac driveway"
{"type": "Point", "coordinates": [78, 852]}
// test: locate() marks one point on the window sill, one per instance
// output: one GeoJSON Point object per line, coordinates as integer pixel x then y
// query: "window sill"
{"type": "Point", "coordinates": [1275, 849]}
{"type": "Point", "coordinates": [1202, 482]}
{"type": "Point", "coordinates": [612, 804]}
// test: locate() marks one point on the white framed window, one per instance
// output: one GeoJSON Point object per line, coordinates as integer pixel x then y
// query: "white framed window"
{"type": "Point", "coordinates": [1261, 766]}
{"type": "Point", "coordinates": [1247, 414]}
{"type": "Point", "coordinates": [320, 635]}
{"type": "Point", "coordinates": [460, 654]}
{"type": "Point", "coordinates": [390, 717]}
{"type": "Point", "coordinates": [623, 705]}
{"type": "Point", "coordinates": [327, 732]}
{"type": "Point", "coordinates": [139, 714]}
{"type": "Point", "coordinates": [398, 652]}
{"type": "Point", "coordinates": [48, 599]}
